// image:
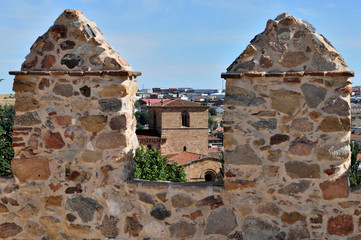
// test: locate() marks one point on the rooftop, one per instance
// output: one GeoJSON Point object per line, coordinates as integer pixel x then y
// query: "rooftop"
{"type": "Point", "coordinates": [178, 103]}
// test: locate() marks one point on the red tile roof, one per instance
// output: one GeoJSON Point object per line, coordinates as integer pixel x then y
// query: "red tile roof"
{"type": "Point", "coordinates": [355, 136]}
{"type": "Point", "coordinates": [218, 129]}
{"type": "Point", "coordinates": [178, 103]}
{"type": "Point", "coordinates": [184, 157]}
{"type": "Point", "coordinates": [154, 100]}
{"type": "Point", "coordinates": [213, 138]}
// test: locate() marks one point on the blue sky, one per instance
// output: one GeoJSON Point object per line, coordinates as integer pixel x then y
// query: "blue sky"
{"type": "Point", "coordinates": [177, 43]}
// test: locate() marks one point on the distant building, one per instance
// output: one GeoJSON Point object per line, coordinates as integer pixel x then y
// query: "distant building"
{"type": "Point", "coordinates": [151, 101]}
{"type": "Point", "coordinates": [180, 129]}
{"type": "Point", "coordinates": [198, 167]}
{"type": "Point", "coordinates": [183, 124]}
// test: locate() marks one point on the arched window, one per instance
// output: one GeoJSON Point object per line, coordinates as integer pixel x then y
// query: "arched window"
{"type": "Point", "coordinates": [185, 119]}
{"type": "Point", "coordinates": [184, 148]}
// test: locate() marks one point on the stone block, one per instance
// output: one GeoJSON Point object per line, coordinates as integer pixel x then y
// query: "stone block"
{"type": "Point", "coordinates": [221, 221]}
{"type": "Point", "coordinates": [285, 101]}
{"type": "Point", "coordinates": [341, 225]}
{"type": "Point", "coordinates": [34, 168]}
{"type": "Point", "coordinates": [182, 230]}
{"type": "Point", "coordinates": [297, 169]}
{"type": "Point", "coordinates": [94, 123]}
{"type": "Point", "coordinates": [314, 94]}
{"type": "Point", "coordinates": [110, 140]}
{"type": "Point", "coordinates": [114, 91]}
{"type": "Point", "coordinates": [242, 155]}
{"type": "Point", "coordinates": [338, 188]}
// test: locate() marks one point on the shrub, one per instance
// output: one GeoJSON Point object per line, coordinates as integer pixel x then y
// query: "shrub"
{"type": "Point", "coordinates": [151, 165]}
{"type": "Point", "coordinates": [354, 176]}
{"type": "Point", "coordinates": [6, 139]}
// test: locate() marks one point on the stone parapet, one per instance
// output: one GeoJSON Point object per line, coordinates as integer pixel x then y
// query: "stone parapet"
{"type": "Point", "coordinates": [286, 122]}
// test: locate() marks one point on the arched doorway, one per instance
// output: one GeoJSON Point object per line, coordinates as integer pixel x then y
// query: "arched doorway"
{"type": "Point", "coordinates": [209, 175]}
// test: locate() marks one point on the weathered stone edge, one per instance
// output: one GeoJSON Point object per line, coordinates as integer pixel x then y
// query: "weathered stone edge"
{"type": "Point", "coordinates": [78, 73]}
{"type": "Point", "coordinates": [288, 74]}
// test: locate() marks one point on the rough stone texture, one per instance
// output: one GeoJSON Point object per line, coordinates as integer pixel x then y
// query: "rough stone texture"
{"type": "Point", "coordinates": [282, 126]}
{"type": "Point", "coordinates": [65, 90]}
{"type": "Point", "coordinates": [182, 229]}
{"type": "Point", "coordinates": [54, 140]}
{"type": "Point", "coordinates": [118, 123]}
{"type": "Point", "coordinates": [314, 95]}
{"type": "Point", "coordinates": [335, 124]}
{"type": "Point", "coordinates": [265, 124]}
{"type": "Point", "coordinates": [335, 189]}
{"type": "Point", "coordinates": [27, 119]}
{"type": "Point", "coordinates": [110, 105]}
{"type": "Point", "coordinates": [242, 155]}
{"type": "Point", "coordinates": [84, 206]}
{"type": "Point", "coordinates": [338, 106]}
{"type": "Point", "coordinates": [271, 209]}
{"type": "Point", "coordinates": [341, 225]}
{"type": "Point", "coordinates": [242, 97]}
{"type": "Point", "coordinates": [292, 59]}
{"type": "Point", "coordinates": [298, 231]}
{"type": "Point", "coordinates": [295, 188]}
{"type": "Point", "coordinates": [292, 217]}
{"type": "Point", "coordinates": [34, 229]}
{"type": "Point", "coordinates": [109, 227]}
{"type": "Point", "coordinates": [285, 101]}
{"type": "Point", "coordinates": [278, 138]}
{"type": "Point", "coordinates": [221, 221]}
{"type": "Point", "coordinates": [9, 230]}
{"type": "Point", "coordinates": [212, 201]}
{"type": "Point", "coordinates": [181, 201]}
{"type": "Point", "coordinates": [333, 153]}
{"type": "Point", "coordinates": [296, 169]}
{"type": "Point", "coordinates": [302, 125]}
{"type": "Point", "coordinates": [160, 212]}
{"type": "Point", "coordinates": [258, 229]}
{"type": "Point", "coordinates": [34, 168]}
{"type": "Point", "coordinates": [301, 147]}
{"type": "Point", "coordinates": [110, 140]}
{"type": "Point", "coordinates": [132, 226]}
{"type": "Point", "coordinates": [93, 124]}
{"type": "Point", "coordinates": [114, 91]}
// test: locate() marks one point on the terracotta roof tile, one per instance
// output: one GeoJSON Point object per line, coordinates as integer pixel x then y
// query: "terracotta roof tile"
{"type": "Point", "coordinates": [152, 101]}
{"type": "Point", "coordinates": [184, 157]}
{"type": "Point", "coordinates": [178, 103]}
{"type": "Point", "coordinates": [213, 138]}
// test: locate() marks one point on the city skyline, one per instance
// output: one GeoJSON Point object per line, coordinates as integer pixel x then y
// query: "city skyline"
{"type": "Point", "coordinates": [176, 43]}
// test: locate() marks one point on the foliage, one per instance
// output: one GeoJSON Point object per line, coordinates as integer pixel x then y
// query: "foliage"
{"type": "Point", "coordinates": [142, 117]}
{"type": "Point", "coordinates": [354, 176]}
{"type": "Point", "coordinates": [6, 138]}
{"type": "Point", "coordinates": [212, 112]}
{"type": "Point", "coordinates": [212, 123]}
{"type": "Point", "coordinates": [149, 164]}
{"type": "Point", "coordinates": [219, 134]}
{"type": "Point", "coordinates": [136, 105]}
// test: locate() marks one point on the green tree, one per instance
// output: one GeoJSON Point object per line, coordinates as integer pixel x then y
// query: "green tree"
{"type": "Point", "coordinates": [142, 117]}
{"type": "Point", "coordinates": [219, 134]}
{"type": "Point", "coordinates": [7, 114]}
{"type": "Point", "coordinates": [149, 164]}
{"type": "Point", "coordinates": [354, 176]}
{"type": "Point", "coordinates": [212, 112]}
{"type": "Point", "coordinates": [212, 123]}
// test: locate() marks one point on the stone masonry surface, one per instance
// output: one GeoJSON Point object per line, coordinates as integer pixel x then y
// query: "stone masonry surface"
{"type": "Point", "coordinates": [286, 145]}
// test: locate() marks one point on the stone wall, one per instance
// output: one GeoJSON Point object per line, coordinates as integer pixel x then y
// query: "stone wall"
{"type": "Point", "coordinates": [287, 135]}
